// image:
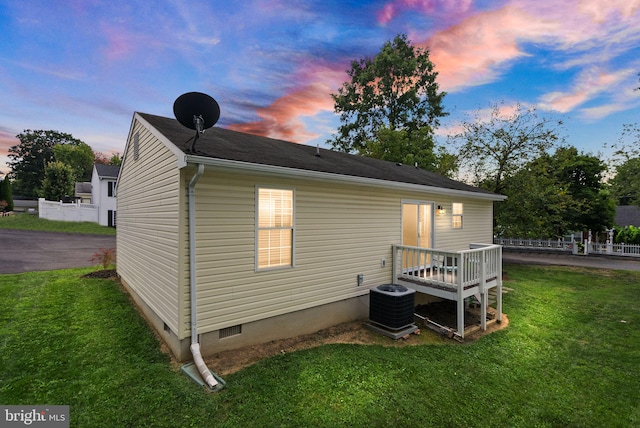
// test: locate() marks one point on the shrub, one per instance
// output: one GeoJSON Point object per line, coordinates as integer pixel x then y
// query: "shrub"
{"type": "Point", "coordinates": [105, 257]}
{"type": "Point", "coordinates": [6, 195]}
{"type": "Point", "coordinates": [628, 235]}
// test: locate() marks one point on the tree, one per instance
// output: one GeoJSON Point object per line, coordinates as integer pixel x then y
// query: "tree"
{"type": "Point", "coordinates": [495, 149]}
{"type": "Point", "coordinates": [625, 161]}
{"type": "Point", "coordinates": [625, 185]}
{"type": "Point", "coordinates": [58, 181]}
{"type": "Point", "coordinates": [592, 208]}
{"type": "Point", "coordinates": [100, 158]}
{"type": "Point", "coordinates": [6, 194]}
{"type": "Point", "coordinates": [115, 159]}
{"type": "Point", "coordinates": [534, 206]}
{"type": "Point", "coordinates": [391, 105]}
{"type": "Point", "coordinates": [627, 146]}
{"type": "Point", "coordinates": [29, 159]}
{"type": "Point", "coordinates": [79, 156]}
{"type": "Point", "coordinates": [553, 195]}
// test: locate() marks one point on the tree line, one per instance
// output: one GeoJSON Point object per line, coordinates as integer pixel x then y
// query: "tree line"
{"type": "Point", "coordinates": [48, 164]}
{"type": "Point", "coordinates": [390, 108]}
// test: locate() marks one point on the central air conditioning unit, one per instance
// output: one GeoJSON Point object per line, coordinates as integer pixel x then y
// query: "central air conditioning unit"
{"type": "Point", "coordinates": [392, 306]}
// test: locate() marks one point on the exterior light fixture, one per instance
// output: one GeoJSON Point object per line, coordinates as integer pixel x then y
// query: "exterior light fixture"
{"type": "Point", "coordinates": [440, 210]}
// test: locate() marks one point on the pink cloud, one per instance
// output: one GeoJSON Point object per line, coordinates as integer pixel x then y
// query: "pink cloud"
{"type": "Point", "coordinates": [330, 74]}
{"type": "Point", "coordinates": [472, 52]}
{"type": "Point", "coordinates": [589, 84]}
{"type": "Point", "coordinates": [282, 118]}
{"type": "Point", "coordinates": [7, 140]}
{"type": "Point", "coordinates": [603, 110]}
{"type": "Point", "coordinates": [427, 7]}
{"type": "Point", "coordinates": [475, 51]}
{"type": "Point", "coordinates": [119, 43]}
{"type": "Point", "coordinates": [603, 10]}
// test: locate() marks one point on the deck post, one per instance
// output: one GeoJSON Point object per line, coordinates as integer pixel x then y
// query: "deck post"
{"type": "Point", "coordinates": [499, 286]}
{"type": "Point", "coordinates": [394, 264]}
{"type": "Point", "coordinates": [460, 298]}
{"type": "Point", "coordinates": [482, 288]}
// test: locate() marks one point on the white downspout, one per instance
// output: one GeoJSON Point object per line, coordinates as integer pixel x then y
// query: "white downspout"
{"type": "Point", "coordinates": [195, 345]}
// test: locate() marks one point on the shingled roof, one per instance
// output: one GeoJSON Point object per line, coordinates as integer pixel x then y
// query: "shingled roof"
{"type": "Point", "coordinates": [627, 215]}
{"type": "Point", "coordinates": [107, 171]}
{"type": "Point", "coordinates": [219, 143]}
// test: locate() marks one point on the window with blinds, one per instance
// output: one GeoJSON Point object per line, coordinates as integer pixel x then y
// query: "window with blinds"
{"type": "Point", "coordinates": [456, 215]}
{"type": "Point", "coordinates": [275, 228]}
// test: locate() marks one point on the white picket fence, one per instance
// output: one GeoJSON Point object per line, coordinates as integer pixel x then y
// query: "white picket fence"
{"type": "Point", "coordinates": [573, 245]}
{"type": "Point", "coordinates": [74, 211]}
{"type": "Point", "coordinates": [626, 250]}
{"type": "Point", "coordinates": [538, 244]}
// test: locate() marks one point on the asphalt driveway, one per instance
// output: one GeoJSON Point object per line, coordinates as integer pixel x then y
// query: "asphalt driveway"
{"type": "Point", "coordinates": [28, 250]}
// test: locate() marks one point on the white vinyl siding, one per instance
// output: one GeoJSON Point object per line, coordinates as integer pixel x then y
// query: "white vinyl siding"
{"type": "Point", "coordinates": [149, 258]}
{"type": "Point", "coordinates": [274, 228]}
{"type": "Point", "coordinates": [478, 225]}
{"type": "Point", "coordinates": [341, 231]}
{"type": "Point", "coordinates": [339, 234]}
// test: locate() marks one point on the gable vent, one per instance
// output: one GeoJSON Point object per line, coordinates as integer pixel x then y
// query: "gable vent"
{"type": "Point", "coordinates": [136, 146]}
{"type": "Point", "coordinates": [230, 331]}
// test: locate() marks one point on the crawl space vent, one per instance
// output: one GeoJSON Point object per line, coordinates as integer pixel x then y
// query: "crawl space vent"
{"type": "Point", "coordinates": [230, 331]}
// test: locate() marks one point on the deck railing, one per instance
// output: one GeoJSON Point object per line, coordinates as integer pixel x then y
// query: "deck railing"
{"type": "Point", "coordinates": [480, 265]}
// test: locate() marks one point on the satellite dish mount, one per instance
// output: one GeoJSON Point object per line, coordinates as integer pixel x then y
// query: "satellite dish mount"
{"type": "Point", "coordinates": [197, 111]}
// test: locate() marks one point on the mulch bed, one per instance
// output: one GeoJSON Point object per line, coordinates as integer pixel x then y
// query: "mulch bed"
{"type": "Point", "coordinates": [102, 274]}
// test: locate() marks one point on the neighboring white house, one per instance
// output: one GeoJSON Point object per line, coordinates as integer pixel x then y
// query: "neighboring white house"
{"type": "Point", "coordinates": [278, 239]}
{"type": "Point", "coordinates": [94, 201]}
{"type": "Point", "coordinates": [83, 192]}
{"type": "Point", "coordinates": [103, 192]}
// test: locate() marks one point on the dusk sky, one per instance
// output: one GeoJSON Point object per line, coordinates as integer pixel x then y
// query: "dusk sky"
{"type": "Point", "coordinates": [84, 67]}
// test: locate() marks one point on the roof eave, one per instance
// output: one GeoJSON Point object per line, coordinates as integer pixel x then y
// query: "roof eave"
{"type": "Point", "coordinates": [239, 166]}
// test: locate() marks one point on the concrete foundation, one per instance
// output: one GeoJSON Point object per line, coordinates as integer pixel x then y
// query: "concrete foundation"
{"type": "Point", "coordinates": [253, 333]}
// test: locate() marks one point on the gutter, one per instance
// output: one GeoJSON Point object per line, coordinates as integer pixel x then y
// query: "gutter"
{"type": "Point", "coordinates": [195, 345]}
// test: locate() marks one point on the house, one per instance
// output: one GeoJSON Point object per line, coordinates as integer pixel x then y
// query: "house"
{"type": "Point", "coordinates": [240, 239]}
{"type": "Point", "coordinates": [83, 192]}
{"type": "Point", "coordinates": [103, 192]}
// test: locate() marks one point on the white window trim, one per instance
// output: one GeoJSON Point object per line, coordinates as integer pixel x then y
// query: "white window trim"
{"type": "Point", "coordinates": [257, 229]}
{"type": "Point", "coordinates": [432, 208]}
{"type": "Point", "coordinates": [111, 185]}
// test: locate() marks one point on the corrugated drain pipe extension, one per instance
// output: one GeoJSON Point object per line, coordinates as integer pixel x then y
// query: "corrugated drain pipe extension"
{"type": "Point", "coordinates": [195, 345]}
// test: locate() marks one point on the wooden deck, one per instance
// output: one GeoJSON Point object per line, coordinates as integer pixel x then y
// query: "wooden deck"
{"type": "Point", "coordinates": [453, 275]}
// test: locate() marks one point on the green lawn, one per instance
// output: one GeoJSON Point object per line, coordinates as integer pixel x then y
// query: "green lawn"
{"type": "Point", "coordinates": [33, 222]}
{"type": "Point", "coordinates": [569, 358]}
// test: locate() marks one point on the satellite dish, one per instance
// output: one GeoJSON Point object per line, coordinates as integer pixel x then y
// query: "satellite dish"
{"type": "Point", "coordinates": [197, 111]}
